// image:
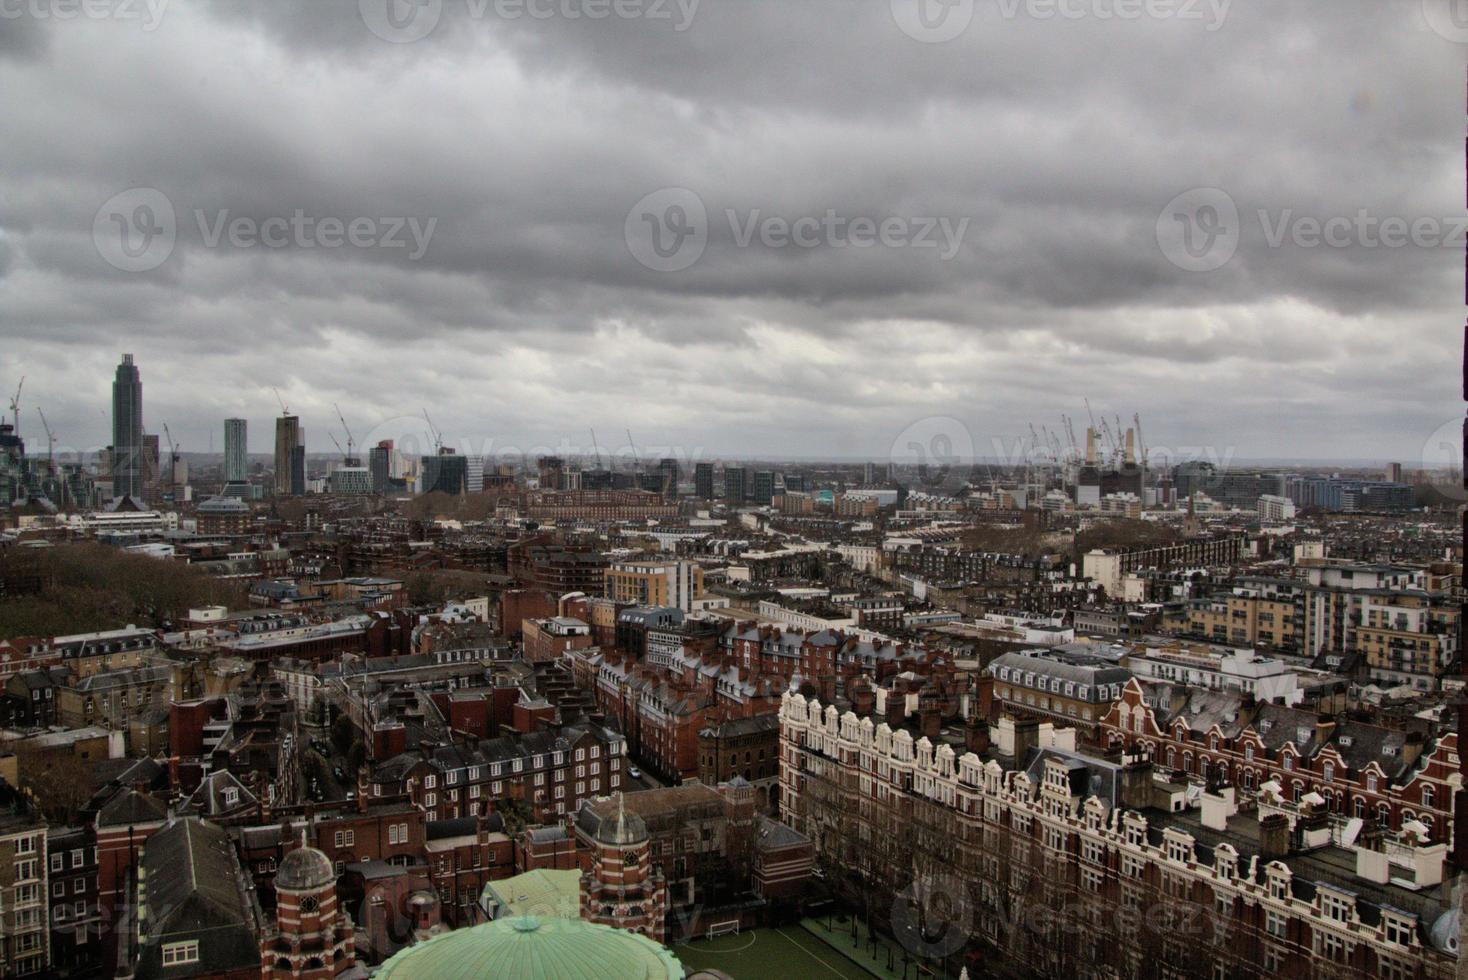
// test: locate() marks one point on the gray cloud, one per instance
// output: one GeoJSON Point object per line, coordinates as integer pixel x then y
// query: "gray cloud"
{"type": "Point", "coordinates": [528, 140]}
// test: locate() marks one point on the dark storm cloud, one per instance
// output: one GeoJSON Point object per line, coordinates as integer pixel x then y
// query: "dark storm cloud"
{"type": "Point", "coordinates": [1049, 147]}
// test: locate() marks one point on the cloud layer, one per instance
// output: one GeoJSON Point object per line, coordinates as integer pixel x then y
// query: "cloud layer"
{"type": "Point", "coordinates": [527, 140]}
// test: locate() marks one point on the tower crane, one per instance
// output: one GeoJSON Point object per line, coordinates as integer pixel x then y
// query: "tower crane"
{"type": "Point", "coordinates": [284, 409]}
{"type": "Point", "coordinates": [596, 449]}
{"type": "Point", "coordinates": [636, 460]}
{"type": "Point", "coordinates": [437, 436]}
{"type": "Point", "coordinates": [50, 442]}
{"type": "Point", "coordinates": [15, 404]}
{"type": "Point", "coordinates": [347, 458]}
{"type": "Point", "coordinates": [172, 455]}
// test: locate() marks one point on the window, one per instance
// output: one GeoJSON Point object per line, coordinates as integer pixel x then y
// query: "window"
{"type": "Point", "coordinates": [176, 954]}
{"type": "Point", "coordinates": [1275, 923]}
{"type": "Point", "coordinates": [346, 838]}
{"type": "Point", "coordinates": [429, 782]}
{"type": "Point", "coordinates": [56, 861]}
{"type": "Point", "coordinates": [392, 834]}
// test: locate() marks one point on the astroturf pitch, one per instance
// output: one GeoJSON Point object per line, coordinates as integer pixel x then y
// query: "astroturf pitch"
{"type": "Point", "coordinates": [789, 951]}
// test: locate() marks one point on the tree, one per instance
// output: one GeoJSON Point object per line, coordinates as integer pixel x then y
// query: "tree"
{"type": "Point", "coordinates": [61, 782]}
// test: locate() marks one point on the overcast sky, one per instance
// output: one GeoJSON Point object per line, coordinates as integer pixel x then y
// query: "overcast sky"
{"type": "Point", "coordinates": [990, 192]}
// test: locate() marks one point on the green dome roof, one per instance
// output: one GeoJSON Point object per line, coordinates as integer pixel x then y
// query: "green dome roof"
{"type": "Point", "coordinates": [527, 948]}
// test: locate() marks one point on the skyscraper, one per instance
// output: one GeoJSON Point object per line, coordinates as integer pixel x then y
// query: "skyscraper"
{"type": "Point", "coordinates": [668, 476]}
{"type": "Point", "coordinates": [764, 486]}
{"type": "Point", "coordinates": [287, 438]}
{"type": "Point", "coordinates": [236, 455]}
{"type": "Point", "coordinates": [736, 479]}
{"type": "Point", "coordinates": [703, 480]}
{"type": "Point", "coordinates": [127, 430]}
{"type": "Point", "coordinates": [379, 462]}
{"type": "Point", "coordinates": [447, 472]}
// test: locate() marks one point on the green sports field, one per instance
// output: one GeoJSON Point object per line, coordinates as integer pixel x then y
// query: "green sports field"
{"type": "Point", "coordinates": [785, 952]}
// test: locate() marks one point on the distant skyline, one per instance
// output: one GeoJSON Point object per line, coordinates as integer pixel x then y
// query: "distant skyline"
{"type": "Point", "coordinates": [506, 173]}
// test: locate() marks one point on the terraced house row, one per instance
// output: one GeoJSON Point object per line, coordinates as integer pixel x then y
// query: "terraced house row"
{"type": "Point", "coordinates": [1028, 855]}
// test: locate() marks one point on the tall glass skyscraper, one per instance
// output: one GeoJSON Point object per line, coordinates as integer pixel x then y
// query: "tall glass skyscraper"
{"type": "Point", "coordinates": [236, 457]}
{"type": "Point", "coordinates": [127, 430]}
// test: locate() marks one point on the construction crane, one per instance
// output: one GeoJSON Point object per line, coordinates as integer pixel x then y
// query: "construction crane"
{"type": "Point", "coordinates": [172, 456]}
{"type": "Point", "coordinates": [437, 436]}
{"type": "Point", "coordinates": [347, 458]}
{"type": "Point", "coordinates": [338, 445]}
{"type": "Point", "coordinates": [636, 460]}
{"type": "Point", "coordinates": [284, 409]}
{"type": "Point", "coordinates": [1141, 443]}
{"type": "Point", "coordinates": [50, 443]}
{"type": "Point", "coordinates": [15, 404]}
{"type": "Point", "coordinates": [596, 449]}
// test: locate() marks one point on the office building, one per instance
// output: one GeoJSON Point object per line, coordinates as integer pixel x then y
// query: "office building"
{"type": "Point", "coordinates": [298, 471]}
{"type": "Point", "coordinates": [236, 451]}
{"type": "Point", "coordinates": [736, 481]}
{"type": "Point", "coordinates": [447, 472]}
{"type": "Point", "coordinates": [764, 487]}
{"type": "Point", "coordinates": [353, 481]}
{"type": "Point", "coordinates": [703, 481]}
{"type": "Point", "coordinates": [288, 437]}
{"type": "Point", "coordinates": [379, 464]}
{"type": "Point", "coordinates": [474, 474]}
{"type": "Point", "coordinates": [549, 470]}
{"type": "Point", "coordinates": [127, 430]}
{"type": "Point", "coordinates": [668, 476]}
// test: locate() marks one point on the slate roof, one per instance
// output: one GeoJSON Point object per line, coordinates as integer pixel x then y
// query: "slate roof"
{"type": "Point", "coordinates": [192, 888]}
